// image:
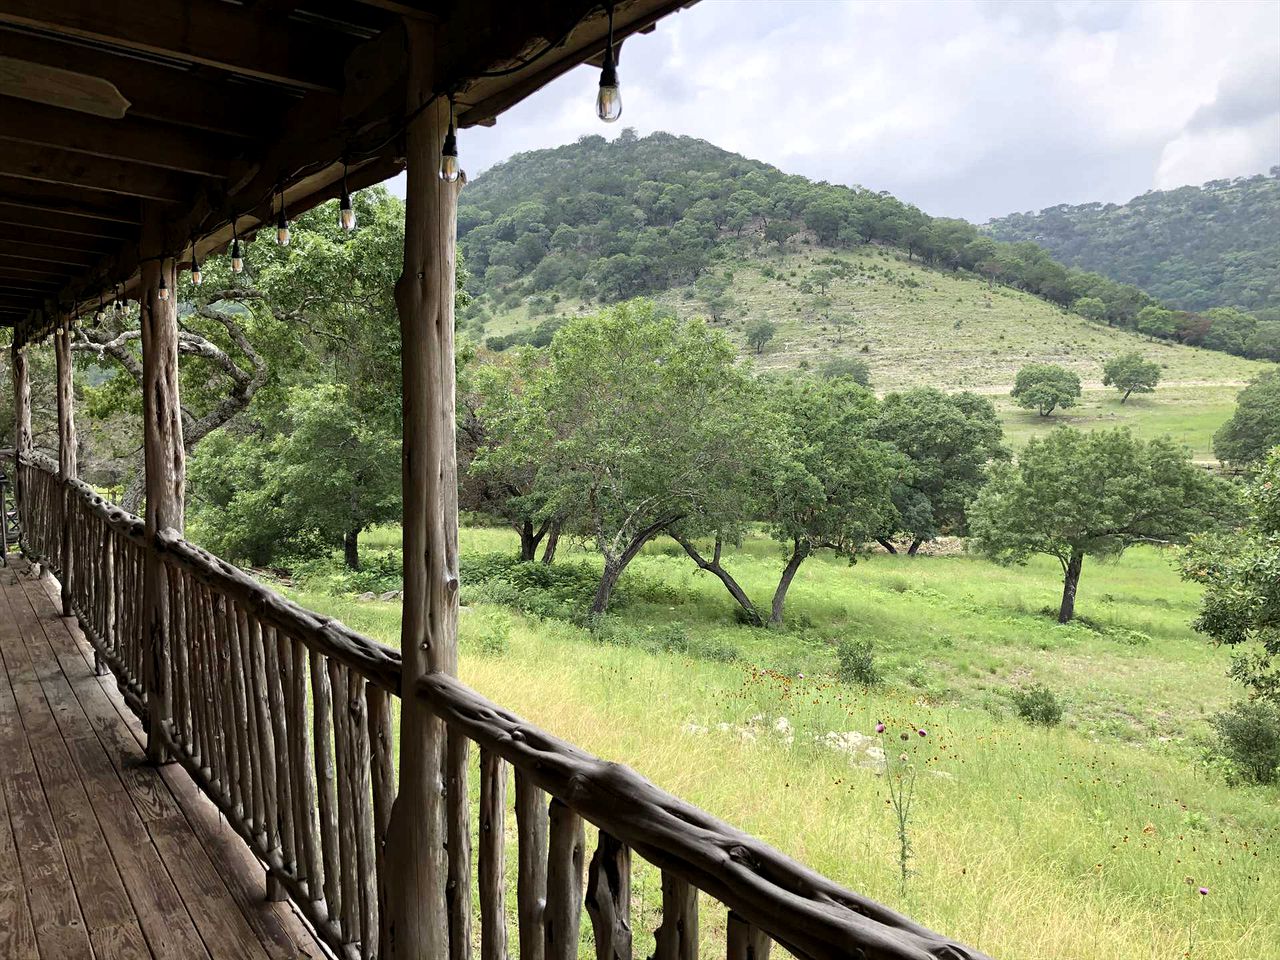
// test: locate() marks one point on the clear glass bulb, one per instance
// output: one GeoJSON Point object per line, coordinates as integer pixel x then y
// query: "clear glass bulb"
{"type": "Point", "coordinates": [449, 167]}
{"type": "Point", "coordinates": [282, 234]}
{"type": "Point", "coordinates": [197, 277]}
{"type": "Point", "coordinates": [347, 218]}
{"type": "Point", "coordinates": [237, 261]}
{"type": "Point", "coordinates": [609, 102]}
{"type": "Point", "coordinates": [164, 291]}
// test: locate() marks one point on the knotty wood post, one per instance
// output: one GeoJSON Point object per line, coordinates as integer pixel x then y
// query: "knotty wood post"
{"type": "Point", "coordinates": [416, 857]}
{"type": "Point", "coordinates": [21, 421]}
{"type": "Point", "coordinates": [67, 465]}
{"type": "Point", "coordinates": [166, 466]}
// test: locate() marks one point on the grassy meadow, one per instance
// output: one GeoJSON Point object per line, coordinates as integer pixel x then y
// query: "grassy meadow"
{"type": "Point", "coordinates": [1029, 842]}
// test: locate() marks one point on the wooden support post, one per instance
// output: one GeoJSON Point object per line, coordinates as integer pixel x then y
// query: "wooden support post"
{"type": "Point", "coordinates": [166, 466]}
{"type": "Point", "coordinates": [21, 419]}
{"type": "Point", "coordinates": [428, 639]}
{"type": "Point", "coordinates": [67, 465]}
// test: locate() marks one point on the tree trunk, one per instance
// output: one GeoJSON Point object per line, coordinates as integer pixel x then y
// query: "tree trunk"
{"type": "Point", "coordinates": [528, 541]}
{"type": "Point", "coordinates": [915, 545]}
{"type": "Point", "coordinates": [553, 540]}
{"type": "Point", "coordinates": [608, 580]}
{"type": "Point", "coordinates": [798, 553]}
{"type": "Point", "coordinates": [1070, 581]}
{"type": "Point", "coordinates": [1126, 396]}
{"type": "Point", "coordinates": [887, 544]}
{"type": "Point", "coordinates": [351, 549]}
{"type": "Point", "coordinates": [730, 584]}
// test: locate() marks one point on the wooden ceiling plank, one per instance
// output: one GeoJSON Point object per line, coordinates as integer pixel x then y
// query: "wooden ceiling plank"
{"type": "Point", "coordinates": [45, 237]}
{"type": "Point", "coordinates": [132, 140]}
{"type": "Point", "coordinates": [85, 172]}
{"type": "Point", "coordinates": [157, 91]}
{"type": "Point", "coordinates": [17, 214]}
{"type": "Point", "coordinates": [53, 198]}
{"type": "Point", "coordinates": [218, 34]}
{"type": "Point", "coordinates": [13, 251]}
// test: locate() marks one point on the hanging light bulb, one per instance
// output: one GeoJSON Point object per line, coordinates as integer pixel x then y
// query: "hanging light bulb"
{"type": "Point", "coordinates": [237, 261]}
{"type": "Point", "coordinates": [346, 213]}
{"type": "Point", "coordinates": [163, 291]}
{"type": "Point", "coordinates": [449, 152]}
{"type": "Point", "coordinates": [609, 99]}
{"type": "Point", "coordinates": [282, 224]}
{"type": "Point", "coordinates": [100, 312]}
{"type": "Point", "coordinates": [118, 309]}
{"type": "Point", "coordinates": [197, 277]}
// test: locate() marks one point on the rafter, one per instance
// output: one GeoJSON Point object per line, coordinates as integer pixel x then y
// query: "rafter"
{"type": "Point", "coordinates": [92, 173]}
{"type": "Point", "coordinates": [45, 238]}
{"type": "Point", "coordinates": [211, 32]}
{"type": "Point", "coordinates": [16, 214]}
{"type": "Point", "coordinates": [133, 140]}
{"type": "Point", "coordinates": [19, 252]}
{"type": "Point", "coordinates": [67, 200]}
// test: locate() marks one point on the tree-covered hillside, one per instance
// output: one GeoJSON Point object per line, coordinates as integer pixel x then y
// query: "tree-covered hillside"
{"type": "Point", "coordinates": [554, 232]}
{"type": "Point", "coordinates": [1194, 247]}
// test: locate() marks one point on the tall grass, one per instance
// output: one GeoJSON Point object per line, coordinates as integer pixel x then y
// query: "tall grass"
{"type": "Point", "coordinates": [1027, 842]}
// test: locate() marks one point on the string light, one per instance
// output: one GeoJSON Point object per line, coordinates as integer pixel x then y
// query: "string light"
{"type": "Point", "coordinates": [346, 213]}
{"type": "Point", "coordinates": [237, 261]}
{"type": "Point", "coordinates": [163, 291]}
{"type": "Point", "coordinates": [197, 277]}
{"type": "Point", "coordinates": [100, 312]}
{"type": "Point", "coordinates": [449, 152]}
{"type": "Point", "coordinates": [282, 224]}
{"type": "Point", "coordinates": [118, 309]}
{"type": "Point", "coordinates": [609, 99]}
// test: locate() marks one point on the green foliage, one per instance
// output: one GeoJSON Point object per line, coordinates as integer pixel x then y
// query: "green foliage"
{"type": "Point", "coordinates": [857, 663]}
{"type": "Point", "coordinates": [1038, 705]}
{"type": "Point", "coordinates": [1254, 428]}
{"type": "Point", "coordinates": [853, 368]}
{"type": "Point", "coordinates": [1131, 373]}
{"type": "Point", "coordinates": [1196, 247]}
{"type": "Point", "coordinates": [1249, 737]}
{"type": "Point", "coordinates": [1073, 495]}
{"type": "Point", "coordinates": [760, 333]}
{"type": "Point", "coordinates": [948, 439]}
{"type": "Point", "coordinates": [1045, 387]}
{"type": "Point", "coordinates": [1241, 574]}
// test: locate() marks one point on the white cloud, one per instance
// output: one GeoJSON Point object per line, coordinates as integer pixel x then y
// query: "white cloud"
{"type": "Point", "coordinates": [967, 108]}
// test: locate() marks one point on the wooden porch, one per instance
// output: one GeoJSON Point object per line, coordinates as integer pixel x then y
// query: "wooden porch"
{"type": "Point", "coordinates": [101, 854]}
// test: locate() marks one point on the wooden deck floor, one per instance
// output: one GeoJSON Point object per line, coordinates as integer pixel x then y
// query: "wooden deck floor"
{"type": "Point", "coordinates": [102, 855]}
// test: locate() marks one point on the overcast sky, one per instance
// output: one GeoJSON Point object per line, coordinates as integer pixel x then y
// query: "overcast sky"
{"type": "Point", "coordinates": [969, 108]}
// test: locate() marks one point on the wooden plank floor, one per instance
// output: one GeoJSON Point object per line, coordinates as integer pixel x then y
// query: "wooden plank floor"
{"type": "Point", "coordinates": [102, 855]}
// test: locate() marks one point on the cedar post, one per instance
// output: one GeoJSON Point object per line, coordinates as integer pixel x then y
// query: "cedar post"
{"type": "Point", "coordinates": [67, 467]}
{"type": "Point", "coordinates": [166, 467]}
{"type": "Point", "coordinates": [21, 418]}
{"type": "Point", "coordinates": [428, 640]}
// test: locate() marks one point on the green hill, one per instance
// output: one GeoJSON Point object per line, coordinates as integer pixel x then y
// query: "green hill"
{"type": "Point", "coordinates": [707, 233]}
{"type": "Point", "coordinates": [1194, 247]}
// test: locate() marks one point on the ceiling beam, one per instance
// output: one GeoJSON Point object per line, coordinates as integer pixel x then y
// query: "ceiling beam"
{"type": "Point", "coordinates": [210, 32]}
{"type": "Point", "coordinates": [25, 271]}
{"type": "Point", "coordinates": [136, 141]}
{"type": "Point", "coordinates": [53, 198]}
{"type": "Point", "coordinates": [16, 214]}
{"type": "Point", "coordinates": [45, 237]}
{"type": "Point", "coordinates": [41, 256]}
{"type": "Point", "coordinates": [86, 172]}
{"type": "Point", "coordinates": [158, 91]}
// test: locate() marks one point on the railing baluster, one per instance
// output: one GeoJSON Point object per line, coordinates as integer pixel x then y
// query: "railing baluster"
{"type": "Point", "coordinates": [565, 850]}
{"type": "Point", "coordinates": [322, 718]}
{"type": "Point", "coordinates": [384, 793]}
{"type": "Point", "coordinates": [238, 735]}
{"type": "Point", "coordinates": [458, 844]}
{"type": "Point", "coordinates": [346, 820]}
{"type": "Point", "coordinates": [677, 937]}
{"type": "Point", "coordinates": [531, 871]}
{"type": "Point", "coordinates": [359, 773]}
{"type": "Point", "coordinates": [609, 898]}
{"type": "Point", "coordinates": [746, 942]}
{"type": "Point", "coordinates": [492, 856]}
{"type": "Point", "coordinates": [302, 780]}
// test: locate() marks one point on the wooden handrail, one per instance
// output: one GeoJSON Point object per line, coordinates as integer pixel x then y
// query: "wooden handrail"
{"type": "Point", "coordinates": [282, 717]}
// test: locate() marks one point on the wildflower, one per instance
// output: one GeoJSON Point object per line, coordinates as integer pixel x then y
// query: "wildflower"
{"type": "Point", "coordinates": [922, 732]}
{"type": "Point", "coordinates": [903, 736]}
{"type": "Point", "coordinates": [904, 758]}
{"type": "Point", "coordinates": [879, 728]}
{"type": "Point", "coordinates": [1204, 891]}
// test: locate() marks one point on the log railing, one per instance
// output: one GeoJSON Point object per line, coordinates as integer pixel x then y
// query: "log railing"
{"type": "Point", "coordinates": [285, 720]}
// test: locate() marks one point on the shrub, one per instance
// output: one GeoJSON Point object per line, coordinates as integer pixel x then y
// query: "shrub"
{"type": "Point", "coordinates": [1038, 705]}
{"type": "Point", "coordinates": [493, 633]}
{"type": "Point", "coordinates": [857, 663]}
{"type": "Point", "coordinates": [665, 638]}
{"type": "Point", "coordinates": [1249, 737]}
